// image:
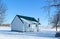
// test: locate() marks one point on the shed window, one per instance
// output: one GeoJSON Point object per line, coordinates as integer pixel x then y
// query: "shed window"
{"type": "Point", "coordinates": [29, 25]}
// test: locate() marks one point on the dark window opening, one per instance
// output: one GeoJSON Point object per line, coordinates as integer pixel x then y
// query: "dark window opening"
{"type": "Point", "coordinates": [29, 25]}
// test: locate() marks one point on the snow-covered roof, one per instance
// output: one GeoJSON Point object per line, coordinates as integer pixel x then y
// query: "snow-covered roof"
{"type": "Point", "coordinates": [27, 18]}
{"type": "Point", "coordinates": [27, 21]}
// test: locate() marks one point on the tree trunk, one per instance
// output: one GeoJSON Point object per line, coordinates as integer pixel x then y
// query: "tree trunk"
{"type": "Point", "coordinates": [56, 28]}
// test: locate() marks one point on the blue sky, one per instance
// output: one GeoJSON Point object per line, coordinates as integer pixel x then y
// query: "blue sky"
{"type": "Point", "coordinates": [32, 8]}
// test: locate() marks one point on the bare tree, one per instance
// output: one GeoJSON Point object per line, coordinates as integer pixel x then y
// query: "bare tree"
{"type": "Point", "coordinates": [56, 20]}
{"type": "Point", "coordinates": [2, 11]}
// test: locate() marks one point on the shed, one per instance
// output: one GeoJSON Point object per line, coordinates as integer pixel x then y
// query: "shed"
{"type": "Point", "coordinates": [24, 24]}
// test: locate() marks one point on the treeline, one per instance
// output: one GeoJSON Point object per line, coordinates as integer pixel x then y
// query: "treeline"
{"type": "Point", "coordinates": [4, 24]}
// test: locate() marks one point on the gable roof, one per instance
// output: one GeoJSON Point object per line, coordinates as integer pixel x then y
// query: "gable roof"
{"type": "Point", "coordinates": [27, 18]}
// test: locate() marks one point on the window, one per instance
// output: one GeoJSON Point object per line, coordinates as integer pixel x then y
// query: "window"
{"type": "Point", "coordinates": [36, 25]}
{"type": "Point", "coordinates": [29, 25]}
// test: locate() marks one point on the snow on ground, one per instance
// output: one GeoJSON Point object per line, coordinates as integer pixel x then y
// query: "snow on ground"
{"type": "Point", "coordinates": [6, 33]}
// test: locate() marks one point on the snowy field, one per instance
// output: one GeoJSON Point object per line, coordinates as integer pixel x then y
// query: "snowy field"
{"type": "Point", "coordinates": [6, 33]}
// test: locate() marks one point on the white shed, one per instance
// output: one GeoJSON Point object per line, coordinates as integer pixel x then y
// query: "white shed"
{"type": "Point", "coordinates": [24, 23]}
